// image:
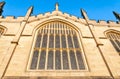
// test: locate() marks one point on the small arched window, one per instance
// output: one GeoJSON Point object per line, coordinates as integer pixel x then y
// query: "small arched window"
{"type": "Point", "coordinates": [57, 47]}
{"type": "Point", "coordinates": [115, 39]}
{"type": "Point", "coordinates": [1, 31]}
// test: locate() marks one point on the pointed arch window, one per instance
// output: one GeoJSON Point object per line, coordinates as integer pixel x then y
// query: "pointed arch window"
{"type": "Point", "coordinates": [57, 47]}
{"type": "Point", "coordinates": [115, 40]}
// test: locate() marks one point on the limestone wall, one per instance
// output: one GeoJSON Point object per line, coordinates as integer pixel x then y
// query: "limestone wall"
{"type": "Point", "coordinates": [102, 61]}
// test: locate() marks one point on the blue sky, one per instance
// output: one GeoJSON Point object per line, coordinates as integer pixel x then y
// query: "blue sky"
{"type": "Point", "coordinates": [96, 9]}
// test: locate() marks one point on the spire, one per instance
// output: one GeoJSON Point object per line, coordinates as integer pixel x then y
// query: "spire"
{"type": "Point", "coordinates": [117, 15]}
{"type": "Point", "coordinates": [57, 6]}
{"type": "Point", "coordinates": [1, 7]}
{"type": "Point", "coordinates": [84, 14]}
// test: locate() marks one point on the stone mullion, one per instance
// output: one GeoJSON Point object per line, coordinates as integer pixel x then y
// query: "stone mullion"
{"type": "Point", "coordinates": [74, 51]}
{"type": "Point", "coordinates": [46, 59]}
{"type": "Point", "coordinates": [54, 48]}
{"type": "Point", "coordinates": [61, 60]}
{"type": "Point", "coordinates": [38, 59]}
{"type": "Point", "coordinates": [118, 36]}
{"type": "Point", "coordinates": [39, 48]}
{"type": "Point", "coordinates": [57, 28]}
{"type": "Point", "coordinates": [39, 52]}
{"type": "Point", "coordinates": [116, 44]}
{"type": "Point", "coordinates": [112, 36]}
{"type": "Point", "coordinates": [48, 34]}
{"type": "Point", "coordinates": [61, 53]}
{"type": "Point", "coordinates": [72, 32]}
{"type": "Point", "coordinates": [67, 48]}
{"type": "Point", "coordinates": [115, 36]}
{"type": "Point", "coordinates": [60, 31]}
{"type": "Point", "coordinates": [67, 30]}
{"type": "Point", "coordinates": [119, 44]}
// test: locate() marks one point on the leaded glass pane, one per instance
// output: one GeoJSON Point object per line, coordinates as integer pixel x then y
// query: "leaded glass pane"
{"type": "Point", "coordinates": [38, 41]}
{"type": "Point", "coordinates": [65, 59]}
{"type": "Point", "coordinates": [67, 31]}
{"type": "Point", "coordinates": [62, 31]}
{"type": "Point", "coordinates": [44, 43]}
{"type": "Point", "coordinates": [115, 46]}
{"type": "Point", "coordinates": [76, 43]}
{"type": "Point", "coordinates": [34, 60]}
{"type": "Point", "coordinates": [50, 60]}
{"type": "Point", "coordinates": [118, 42]}
{"type": "Point", "coordinates": [55, 31]}
{"type": "Point", "coordinates": [80, 60]}
{"type": "Point", "coordinates": [57, 60]}
{"type": "Point", "coordinates": [70, 44]}
{"type": "Point", "coordinates": [51, 41]}
{"type": "Point", "coordinates": [47, 31]}
{"type": "Point", "coordinates": [42, 31]}
{"type": "Point", "coordinates": [42, 59]}
{"type": "Point", "coordinates": [57, 41]}
{"type": "Point", "coordinates": [63, 41]}
{"type": "Point", "coordinates": [73, 60]}
{"type": "Point", "coordinates": [51, 31]}
{"type": "Point", "coordinates": [117, 35]}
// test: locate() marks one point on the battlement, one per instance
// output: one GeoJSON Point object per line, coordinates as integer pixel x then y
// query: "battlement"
{"type": "Point", "coordinates": [104, 23]}
{"type": "Point", "coordinates": [11, 19]}
{"type": "Point", "coordinates": [58, 13]}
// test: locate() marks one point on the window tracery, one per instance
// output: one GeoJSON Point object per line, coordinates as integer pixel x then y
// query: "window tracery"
{"type": "Point", "coordinates": [57, 47]}
{"type": "Point", "coordinates": [115, 40]}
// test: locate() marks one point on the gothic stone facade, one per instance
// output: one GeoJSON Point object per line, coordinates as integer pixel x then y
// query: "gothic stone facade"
{"type": "Point", "coordinates": [98, 46]}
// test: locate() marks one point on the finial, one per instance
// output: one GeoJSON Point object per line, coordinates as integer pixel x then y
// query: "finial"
{"type": "Point", "coordinates": [116, 15]}
{"type": "Point", "coordinates": [56, 6]}
{"type": "Point", "coordinates": [2, 4]}
{"type": "Point", "coordinates": [1, 7]}
{"type": "Point", "coordinates": [30, 10]}
{"type": "Point", "coordinates": [84, 14]}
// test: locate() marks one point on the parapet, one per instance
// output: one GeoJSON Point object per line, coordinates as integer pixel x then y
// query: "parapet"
{"type": "Point", "coordinates": [59, 13]}
{"type": "Point", "coordinates": [10, 19]}
{"type": "Point", "coordinates": [104, 23]}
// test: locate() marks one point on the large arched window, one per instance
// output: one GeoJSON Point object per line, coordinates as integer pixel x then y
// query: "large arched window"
{"type": "Point", "coordinates": [115, 39]}
{"type": "Point", "coordinates": [57, 47]}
